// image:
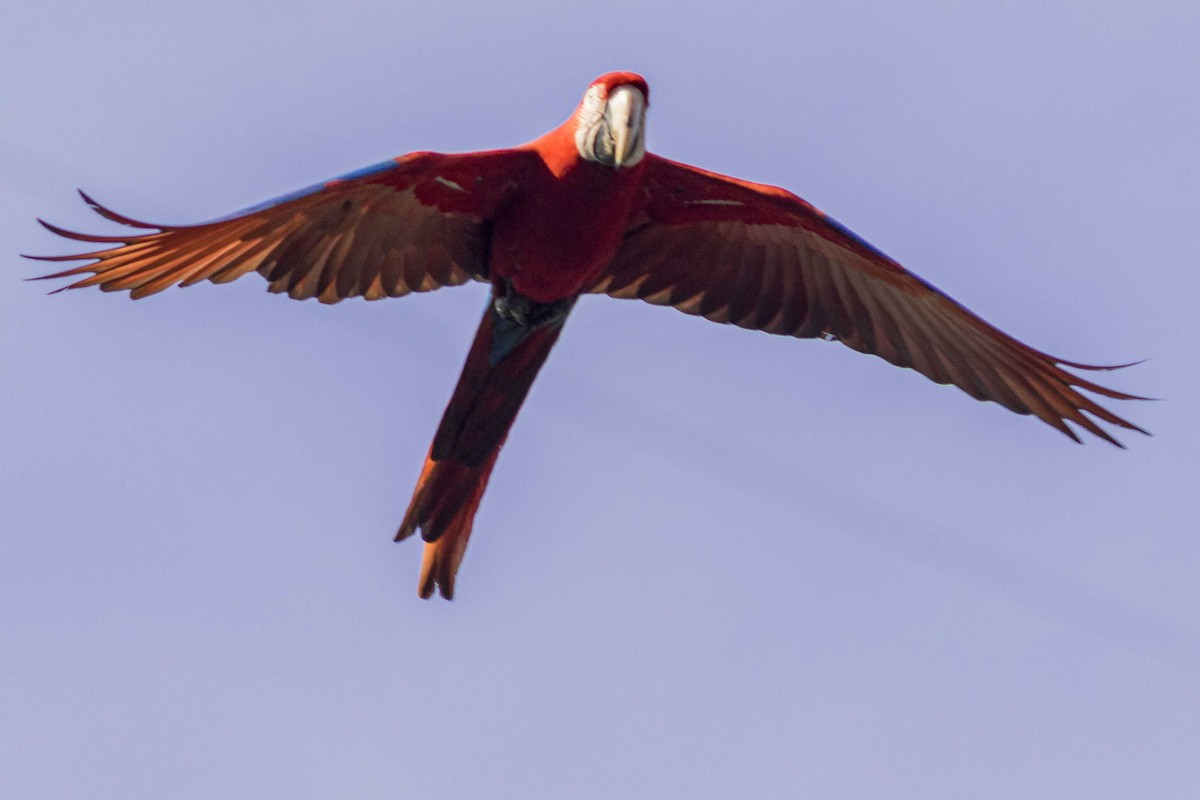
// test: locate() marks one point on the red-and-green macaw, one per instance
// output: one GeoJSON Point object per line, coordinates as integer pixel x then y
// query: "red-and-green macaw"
{"type": "Point", "coordinates": [584, 208]}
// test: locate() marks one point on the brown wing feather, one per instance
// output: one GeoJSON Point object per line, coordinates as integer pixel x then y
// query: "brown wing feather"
{"type": "Point", "coordinates": [758, 257]}
{"type": "Point", "coordinates": [410, 227]}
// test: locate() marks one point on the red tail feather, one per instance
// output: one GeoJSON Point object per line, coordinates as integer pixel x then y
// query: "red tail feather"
{"type": "Point", "coordinates": [465, 448]}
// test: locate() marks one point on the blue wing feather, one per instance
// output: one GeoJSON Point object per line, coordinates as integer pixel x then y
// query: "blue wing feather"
{"type": "Point", "coordinates": [373, 169]}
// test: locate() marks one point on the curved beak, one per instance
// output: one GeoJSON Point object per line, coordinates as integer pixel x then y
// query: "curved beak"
{"type": "Point", "coordinates": [626, 114]}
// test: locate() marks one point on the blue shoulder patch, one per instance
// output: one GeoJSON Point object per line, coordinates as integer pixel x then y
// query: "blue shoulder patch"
{"type": "Point", "coordinates": [854, 237]}
{"type": "Point", "coordinates": [382, 166]}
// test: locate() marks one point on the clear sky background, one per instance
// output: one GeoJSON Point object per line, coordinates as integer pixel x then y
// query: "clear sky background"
{"type": "Point", "coordinates": [711, 563]}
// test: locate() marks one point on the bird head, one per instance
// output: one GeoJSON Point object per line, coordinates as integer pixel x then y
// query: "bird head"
{"type": "Point", "coordinates": [610, 123]}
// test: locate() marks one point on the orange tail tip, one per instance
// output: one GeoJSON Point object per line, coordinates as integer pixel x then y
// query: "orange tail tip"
{"type": "Point", "coordinates": [439, 563]}
{"type": "Point", "coordinates": [443, 509]}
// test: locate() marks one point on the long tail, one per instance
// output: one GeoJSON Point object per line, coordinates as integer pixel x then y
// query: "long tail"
{"type": "Point", "coordinates": [504, 359]}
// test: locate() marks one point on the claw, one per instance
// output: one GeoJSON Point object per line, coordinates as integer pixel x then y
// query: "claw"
{"type": "Point", "coordinates": [517, 316]}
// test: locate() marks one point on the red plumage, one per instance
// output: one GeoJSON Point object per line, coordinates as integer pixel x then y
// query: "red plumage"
{"type": "Point", "coordinates": [583, 208]}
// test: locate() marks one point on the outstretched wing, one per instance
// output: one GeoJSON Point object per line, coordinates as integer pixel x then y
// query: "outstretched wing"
{"type": "Point", "coordinates": [760, 257]}
{"type": "Point", "coordinates": [411, 224]}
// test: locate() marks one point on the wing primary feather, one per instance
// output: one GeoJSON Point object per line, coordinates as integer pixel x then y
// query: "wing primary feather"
{"type": "Point", "coordinates": [111, 268]}
{"type": "Point", "coordinates": [115, 217]}
{"type": "Point", "coordinates": [80, 237]}
{"type": "Point", "coordinates": [166, 261]}
{"type": "Point", "coordinates": [1054, 385]}
{"type": "Point", "coordinates": [101, 257]}
{"type": "Point", "coordinates": [177, 271]}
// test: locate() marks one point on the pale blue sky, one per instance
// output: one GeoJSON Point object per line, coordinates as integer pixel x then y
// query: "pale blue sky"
{"type": "Point", "coordinates": [711, 563]}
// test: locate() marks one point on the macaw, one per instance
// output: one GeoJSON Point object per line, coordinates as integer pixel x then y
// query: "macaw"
{"type": "Point", "coordinates": [582, 209]}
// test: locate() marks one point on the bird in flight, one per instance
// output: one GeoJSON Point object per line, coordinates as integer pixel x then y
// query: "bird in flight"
{"type": "Point", "coordinates": [583, 209]}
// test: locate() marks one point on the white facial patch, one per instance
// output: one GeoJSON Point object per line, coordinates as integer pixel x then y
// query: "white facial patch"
{"type": "Point", "coordinates": [610, 129]}
{"type": "Point", "coordinates": [591, 113]}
